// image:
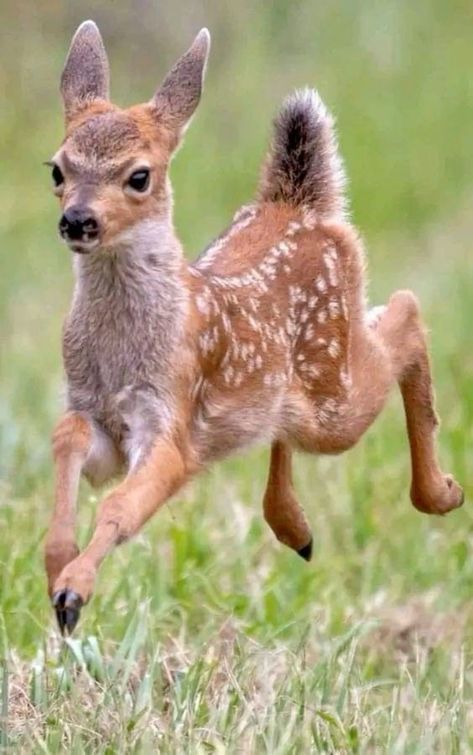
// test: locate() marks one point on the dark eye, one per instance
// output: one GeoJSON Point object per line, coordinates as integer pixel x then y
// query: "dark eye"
{"type": "Point", "coordinates": [139, 180]}
{"type": "Point", "coordinates": [58, 178]}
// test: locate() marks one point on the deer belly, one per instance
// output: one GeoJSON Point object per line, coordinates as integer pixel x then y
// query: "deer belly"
{"type": "Point", "coordinates": [221, 427]}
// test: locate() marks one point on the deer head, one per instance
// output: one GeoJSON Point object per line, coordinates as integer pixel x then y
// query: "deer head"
{"type": "Point", "coordinates": [111, 169]}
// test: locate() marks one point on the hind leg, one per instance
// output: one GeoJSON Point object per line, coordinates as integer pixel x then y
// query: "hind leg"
{"type": "Point", "coordinates": [385, 347]}
{"type": "Point", "coordinates": [400, 328]}
{"type": "Point", "coordinates": [281, 509]}
{"type": "Point", "coordinates": [392, 347]}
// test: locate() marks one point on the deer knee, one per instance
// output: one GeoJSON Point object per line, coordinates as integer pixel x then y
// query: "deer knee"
{"type": "Point", "coordinates": [118, 511]}
{"type": "Point", "coordinates": [72, 435]}
{"type": "Point", "coordinates": [402, 332]}
{"type": "Point", "coordinates": [405, 304]}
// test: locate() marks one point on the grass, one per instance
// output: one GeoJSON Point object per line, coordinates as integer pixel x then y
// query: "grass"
{"type": "Point", "coordinates": [205, 635]}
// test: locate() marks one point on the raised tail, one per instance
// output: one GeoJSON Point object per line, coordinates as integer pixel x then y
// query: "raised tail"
{"type": "Point", "coordinates": [303, 166]}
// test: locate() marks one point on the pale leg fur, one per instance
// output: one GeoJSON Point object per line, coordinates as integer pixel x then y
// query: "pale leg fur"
{"type": "Point", "coordinates": [281, 509]}
{"type": "Point", "coordinates": [431, 491]}
{"type": "Point", "coordinates": [121, 515]}
{"type": "Point", "coordinates": [402, 356]}
{"type": "Point", "coordinates": [72, 440]}
{"type": "Point", "coordinates": [79, 446]}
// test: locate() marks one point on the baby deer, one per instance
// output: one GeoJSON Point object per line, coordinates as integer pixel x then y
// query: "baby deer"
{"type": "Point", "coordinates": [265, 338]}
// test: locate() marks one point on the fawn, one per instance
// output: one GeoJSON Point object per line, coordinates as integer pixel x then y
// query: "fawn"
{"type": "Point", "coordinates": [265, 338]}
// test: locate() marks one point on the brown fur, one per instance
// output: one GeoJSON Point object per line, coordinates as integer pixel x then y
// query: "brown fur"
{"type": "Point", "coordinates": [266, 338]}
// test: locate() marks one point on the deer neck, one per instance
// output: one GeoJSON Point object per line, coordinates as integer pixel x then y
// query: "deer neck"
{"type": "Point", "coordinates": [127, 323]}
{"type": "Point", "coordinates": [140, 279]}
{"type": "Point", "coordinates": [130, 309]}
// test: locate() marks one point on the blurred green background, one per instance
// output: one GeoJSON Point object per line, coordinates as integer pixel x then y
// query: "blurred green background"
{"type": "Point", "coordinates": [397, 75]}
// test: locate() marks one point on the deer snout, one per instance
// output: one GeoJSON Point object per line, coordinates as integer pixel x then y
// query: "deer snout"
{"type": "Point", "coordinates": [79, 227]}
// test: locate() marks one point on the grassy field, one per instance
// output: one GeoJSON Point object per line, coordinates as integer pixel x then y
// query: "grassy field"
{"type": "Point", "coordinates": [206, 635]}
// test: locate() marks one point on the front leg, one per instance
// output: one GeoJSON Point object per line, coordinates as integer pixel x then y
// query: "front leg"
{"type": "Point", "coordinates": [80, 446]}
{"type": "Point", "coordinates": [121, 515]}
{"type": "Point", "coordinates": [72, 441]}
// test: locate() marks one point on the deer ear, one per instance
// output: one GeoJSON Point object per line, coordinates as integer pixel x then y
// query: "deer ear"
{"type": "Point", "coordinates": [178, 96]}
{"type": "Point", "coordinates": [86, 74]}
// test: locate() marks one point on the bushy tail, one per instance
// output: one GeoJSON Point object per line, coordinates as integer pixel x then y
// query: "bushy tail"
{"type": "Point", "coordinates": [303, 165]}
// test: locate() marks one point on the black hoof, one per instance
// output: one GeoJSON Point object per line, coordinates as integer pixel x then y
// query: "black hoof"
{"type": "Point", "coordinates": [67, 605]}
{"type": "Point", "coordinates": [306, 551]}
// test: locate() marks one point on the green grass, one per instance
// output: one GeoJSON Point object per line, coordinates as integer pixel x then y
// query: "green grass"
{"type": "Point", "coordinates": [206, 635]}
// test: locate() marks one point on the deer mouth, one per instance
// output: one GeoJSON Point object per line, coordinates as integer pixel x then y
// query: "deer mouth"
{"type": "Point", "coordinates": [85, 246]}
{"type": "Point", "coordinates": [80, 229]}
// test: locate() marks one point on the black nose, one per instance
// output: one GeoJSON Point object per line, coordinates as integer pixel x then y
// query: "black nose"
{"type": "Point", "coordinates": [79, 224]}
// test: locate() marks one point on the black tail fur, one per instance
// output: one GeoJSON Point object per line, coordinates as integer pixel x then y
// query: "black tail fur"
{"type": "Point", "coordinates": [303, 166]}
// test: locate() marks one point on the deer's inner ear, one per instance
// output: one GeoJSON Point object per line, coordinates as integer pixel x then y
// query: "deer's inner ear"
{"type": "Point", "coordinates": [86, 72]}
{"type": "Point", "coordinates": [178, 96]}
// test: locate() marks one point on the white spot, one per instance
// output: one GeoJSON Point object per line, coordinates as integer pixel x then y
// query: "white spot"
{"type": "Point", "coordinates": [309, 219]}
{"type": "Point", "coordinates": [202, 304]}
{"type": "Point", "coordinates": [332, 252]}
{"type": "Point", "coordinates": [281, 336]}
{"type": "Point", "coordinates": [304, 316]}
{"type": "Point", "coordinates": [236, 350]}
{"type": "Point", "coordinates": [313, 371]}
{"type": "Point", "coordinates": [331, 269]}
{"type": "Point", "coordinates": [208, 341]}
{"type": "Point", "coordinates": [330, 405]}
{"type": "Point", "coordinates": [293, 227]}
{"type": "Point", "coordinates": [322, 315]}
{"type": "Point", "coordinates": [374, 315]}
{"type": "Point", "coordinates": [226, 322]}
{"type": "Point", "coordinates": [274, 379]}
{"type": "Point", "coordinates": [345, 378]}
{"type": "Point", "coordinates": [196, 388]}
{"type": "Point", "coordinates": [309, 333]}
{"type": "Point", "coordinates": [228, 374]}
{"type": "Point", "coordinates": [334, 348]}
{"type": "Point", "coordinates": [242, 219]}
{"type": "Point", "coordinates": [333, 309]}
{"type": "Point", "coordinates": [321, 284]}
